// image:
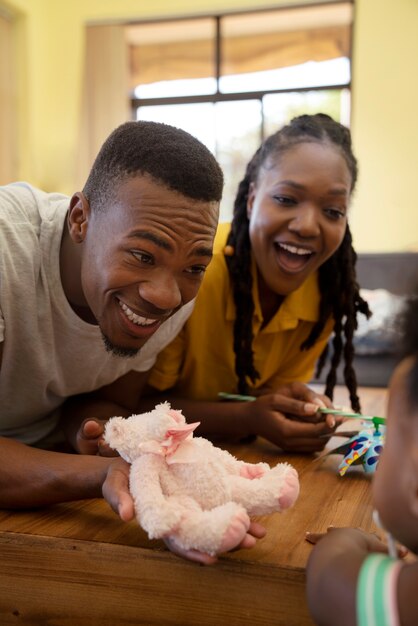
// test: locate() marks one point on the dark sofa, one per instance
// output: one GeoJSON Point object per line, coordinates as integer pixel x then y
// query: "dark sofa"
{"type": "Point", "coordinates": [396, 272]}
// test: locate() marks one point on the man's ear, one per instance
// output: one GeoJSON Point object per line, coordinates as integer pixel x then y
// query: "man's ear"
{"type": "Point", "coordinates": [78, 217]}
{"type": "Point", "coordinates": [250, 199]}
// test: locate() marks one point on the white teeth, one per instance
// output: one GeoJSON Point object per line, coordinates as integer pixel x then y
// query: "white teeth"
{"type": "Point", "coordinates": [294, 250]}
{"type": "Point", "coordinates": [136, 319]}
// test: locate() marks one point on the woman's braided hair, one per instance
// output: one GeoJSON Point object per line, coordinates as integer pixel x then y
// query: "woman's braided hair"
{"type": "Point", "coordinates": [338, 286]}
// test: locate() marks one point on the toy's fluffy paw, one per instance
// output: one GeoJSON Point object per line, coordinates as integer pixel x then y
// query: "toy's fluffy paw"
{"type": "Point", "coordinates": [252, 470]}
{"type": "Point", "coordinates": [236, 531]}
{"type": "Point", "coordinates": [290, 489]}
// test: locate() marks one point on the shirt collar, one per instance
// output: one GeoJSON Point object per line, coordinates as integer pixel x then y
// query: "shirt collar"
{"type": "Point", "coordinates": [302, 304]}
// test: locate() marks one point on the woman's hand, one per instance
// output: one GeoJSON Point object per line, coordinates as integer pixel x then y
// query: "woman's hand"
{"type": "Point", "coordinates": [290, 419]}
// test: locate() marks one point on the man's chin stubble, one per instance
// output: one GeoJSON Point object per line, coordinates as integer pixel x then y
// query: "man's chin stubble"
{"type": "Point", "coordinates": [119, 351]}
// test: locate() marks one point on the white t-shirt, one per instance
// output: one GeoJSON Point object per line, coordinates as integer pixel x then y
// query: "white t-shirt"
{"type": "Point", "coordinates": [49, 353]}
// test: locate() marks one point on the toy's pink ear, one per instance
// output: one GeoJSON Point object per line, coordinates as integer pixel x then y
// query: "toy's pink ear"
{"type": "Point", "coordinates": [179, 433]}
{"type": "Point", "coordinates": [177, 415]}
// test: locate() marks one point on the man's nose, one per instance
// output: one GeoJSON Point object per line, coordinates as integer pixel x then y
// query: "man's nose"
{"type": "Point", "coordinates": [162, 291]}
{"type": "Point", "coordinates": [305, 222]}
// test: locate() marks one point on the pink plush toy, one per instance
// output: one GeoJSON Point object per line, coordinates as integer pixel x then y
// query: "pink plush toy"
{"type": "Point", "coordinates": [189, 490]}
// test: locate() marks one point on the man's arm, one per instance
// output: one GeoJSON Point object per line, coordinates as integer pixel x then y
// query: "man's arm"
{"type": "Point", "coordinates": [30, 477]}
{"type": "Point", "coordinates": [121, 397]}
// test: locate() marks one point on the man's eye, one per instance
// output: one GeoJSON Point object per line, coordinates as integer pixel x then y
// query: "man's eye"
{"type": "Point", "coordinates": [143, 257]}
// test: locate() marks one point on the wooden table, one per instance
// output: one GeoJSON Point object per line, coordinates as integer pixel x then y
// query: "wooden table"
{"type": "Point", "coordinates": [76, 564]}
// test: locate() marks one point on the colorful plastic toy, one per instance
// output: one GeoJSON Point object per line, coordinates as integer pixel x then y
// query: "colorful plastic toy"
{"type": "Point", "coordinates": [364, 447]}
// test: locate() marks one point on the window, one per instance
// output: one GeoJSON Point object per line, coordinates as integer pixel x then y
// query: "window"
{"type": "Point", "coordinates": [231, 80]}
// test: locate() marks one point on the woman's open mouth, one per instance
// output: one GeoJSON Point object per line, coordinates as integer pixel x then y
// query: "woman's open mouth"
{"type": "Point", "coordinates": [292, 258]}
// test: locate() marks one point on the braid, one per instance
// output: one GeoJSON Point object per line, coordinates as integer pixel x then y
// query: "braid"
{"type": "Point", "coordinates": [239, 266]}
{"type": "Point", "coordinates": [340, 296]}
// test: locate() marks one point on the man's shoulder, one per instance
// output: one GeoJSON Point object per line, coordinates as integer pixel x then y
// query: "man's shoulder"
{"type": "Point", "coordinates": [21, 202]}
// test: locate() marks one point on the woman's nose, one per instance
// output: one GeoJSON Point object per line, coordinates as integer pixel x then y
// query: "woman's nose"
{"type": "Point", "coordinates": [162, 291]}
{"type": "Point", "coordinates": [305, 222]}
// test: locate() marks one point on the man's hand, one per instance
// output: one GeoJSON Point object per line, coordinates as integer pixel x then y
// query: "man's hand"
{"type": "Point", "coordinates": [89, 439]}
{"type": "Point", "coordinates": [255, 531]}
{"type": "Point", "coordinates": [116, 489]}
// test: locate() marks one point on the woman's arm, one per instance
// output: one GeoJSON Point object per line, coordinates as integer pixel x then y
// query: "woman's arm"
{"type": "Point", "coordinates": [267, 416]}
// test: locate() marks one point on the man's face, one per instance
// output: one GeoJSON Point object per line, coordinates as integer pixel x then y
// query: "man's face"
{"type": "Point", "coordinates": [395, 483]}
{"type": "Point", "coordinates": [144, 256]}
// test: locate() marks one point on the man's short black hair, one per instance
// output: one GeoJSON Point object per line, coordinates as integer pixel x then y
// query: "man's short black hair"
{"type": "Point", "coordinates": [167, 154]}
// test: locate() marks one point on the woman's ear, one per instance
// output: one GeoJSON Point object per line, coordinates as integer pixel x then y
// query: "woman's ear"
{"type": "Point", "coordinates": [250, 199]}
{"type": "Point", "coordinates": [78, 217]}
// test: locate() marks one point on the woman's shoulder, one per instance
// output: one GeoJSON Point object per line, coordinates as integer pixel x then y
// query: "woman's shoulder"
{"type": "Point", "coordinates": [221, 237]}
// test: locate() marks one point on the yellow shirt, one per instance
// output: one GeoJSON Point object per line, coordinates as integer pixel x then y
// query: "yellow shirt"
{"type": "Point", "coordinates": [200, 362]}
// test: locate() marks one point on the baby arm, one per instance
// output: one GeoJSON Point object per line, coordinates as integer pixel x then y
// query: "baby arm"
{"type": "Point", "coordinates": [332, 572]}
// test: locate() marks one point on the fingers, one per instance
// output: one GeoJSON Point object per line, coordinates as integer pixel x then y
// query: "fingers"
{"type": "Point", "coordinates": [88, 435]}
{"type": "Point", "coordinates": [116, 490]}
{"type": "Point", "coordinates": [298, 436]}
{"type": "Point", "coordinates": [90, 438]}
{"type": "Point", "coordinates": [303, 392]}
{"type": "Point", "coordinates": [314, 537]}
{"type": "Point", "coordinates": [257, 530]}
{"type": "Point", "coordinates": [190, 555]}
{"type": "Point", "coordinates": [294, 406]}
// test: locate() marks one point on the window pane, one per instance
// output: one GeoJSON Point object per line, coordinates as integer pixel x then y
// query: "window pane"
{"type": "Point", "coordinates": [280, 108]}
{"type": "Point", "coordinates": [238, 135]}
{"type": "Point", "coordinates": [310, 74]}
{"type": "Point", "coordinates": [197, 119]}
{"type": "Point", "coordinates": [231, 130]}
{"type": "Point", "coordinates": [172, 58]}
{"type": "Point", "coordinates": [303, 43]}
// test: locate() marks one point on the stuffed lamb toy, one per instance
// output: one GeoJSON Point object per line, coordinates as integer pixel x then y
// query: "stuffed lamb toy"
{"type": "Point", "coordinates": [187, 489]}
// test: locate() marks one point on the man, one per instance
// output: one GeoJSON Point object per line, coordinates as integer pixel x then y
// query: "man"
{"type": "Point", "coordinates": [92, 287]}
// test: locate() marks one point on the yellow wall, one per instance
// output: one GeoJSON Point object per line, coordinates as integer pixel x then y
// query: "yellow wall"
{"type": "Point", "coordinates": [385, 125]}
{"type": "Point", "coordinates": [385, 100]}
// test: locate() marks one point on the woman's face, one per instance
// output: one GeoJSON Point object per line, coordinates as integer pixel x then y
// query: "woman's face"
{"type": "Point", "coordinates": [297, 211]}
{"type": "Point", "coordinates": [395, 485]}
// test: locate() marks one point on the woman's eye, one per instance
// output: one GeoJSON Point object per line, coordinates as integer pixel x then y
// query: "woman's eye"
{"type": "Point", "coordinates": [334, 213]}
{"type": "Point", "coordinates": [143, 257]}
{"type": "Point", "coordinates": [285, 200]}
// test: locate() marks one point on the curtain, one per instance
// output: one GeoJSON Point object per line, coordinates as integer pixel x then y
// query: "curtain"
{"type": "Point", "coordinates": [105, 95]}
{"type": "Point", "coordinates": [8, 97]}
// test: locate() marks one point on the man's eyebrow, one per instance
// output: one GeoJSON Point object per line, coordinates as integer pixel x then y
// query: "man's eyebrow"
{"type": "Point", "coordinates": [145, 234]}
{"type": "Point", "coordinates": [202, 251]}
